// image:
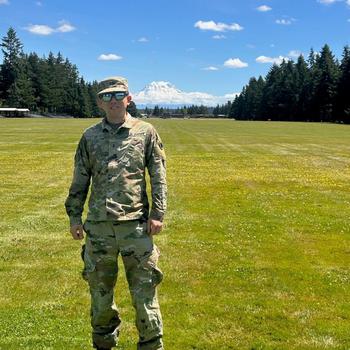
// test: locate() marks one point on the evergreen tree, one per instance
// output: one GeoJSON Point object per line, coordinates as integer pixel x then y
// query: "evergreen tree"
{"type": "Point", "coordinates": [302, 91]}
{"type": "Point", "coordinates": [203, 110]}
{"type": "Point", "coordinates": [84, 105]}
{"type": "Point", "coordinates": [343, 101]}
{"type": "Point", "coordinates": [287, 99]}
{"type": "Point", "coordinates": [271, 94]}
{"type": "Point", "coordinates": [237, 107]}
{"type": "Point", "coordinates": [216, 110]}
{"type": "Point", "coordinates": [156, 111]}
{"type": "Point", "coordinates": [312, 58]}
{"type": "Point", "coordinates": [147, 111]}
{"type": "Point", "coordinates": [311, 105]}
{"type": "Point", "coordinates": [21, 92]}
{"type": "Point", "coordinates": [92, 91]}
{"type": "Point", "coordinates": [10, 69]}
{"type": "Point", "coordinates": [252, 97]}
{"type": "Point", "coordinates": [326, 76]}
{"type": "Point", "coordinates": [132, 110]}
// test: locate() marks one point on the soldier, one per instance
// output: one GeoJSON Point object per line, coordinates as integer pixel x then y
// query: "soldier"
{"type": "Point", "coordinates": [114, 155]}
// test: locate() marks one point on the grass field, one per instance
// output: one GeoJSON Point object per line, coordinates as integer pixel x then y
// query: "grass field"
{"type": "Point", "coordinates": [255, 252]}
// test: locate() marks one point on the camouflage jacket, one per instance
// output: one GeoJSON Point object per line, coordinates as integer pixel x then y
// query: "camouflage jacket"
{"type": "Point", "coordinates": [115, 160]}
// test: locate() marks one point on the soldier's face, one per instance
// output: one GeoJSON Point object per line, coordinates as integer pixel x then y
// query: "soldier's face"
{"type": "Point", "coordinates": [113, 105]}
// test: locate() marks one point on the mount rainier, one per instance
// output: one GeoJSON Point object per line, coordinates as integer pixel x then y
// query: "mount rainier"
{"type": "Point", "coordinates": [166, 94]}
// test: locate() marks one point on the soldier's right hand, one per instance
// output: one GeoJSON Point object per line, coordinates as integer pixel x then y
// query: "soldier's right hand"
{"type": "Point", "coordinates": [77, 232]}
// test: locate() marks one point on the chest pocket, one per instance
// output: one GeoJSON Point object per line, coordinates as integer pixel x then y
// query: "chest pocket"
{"type": "Point", "coordinates": [135, 152]}
{"type": "Point", "coordinates": [99, 154]}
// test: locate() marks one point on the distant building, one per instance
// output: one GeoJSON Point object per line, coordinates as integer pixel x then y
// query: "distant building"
{"type": "Point", "coordinates": [14, 112]}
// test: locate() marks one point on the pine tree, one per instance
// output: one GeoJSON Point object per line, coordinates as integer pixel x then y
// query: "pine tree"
{"type": "Point", "coordinates": [237, 107]}
{"type": "Point", "coordinates": [287, 98]}
{"type": "Point", "coordinates": [21, 93]}
{"type": "Point", "coordinates": [252, 97]}
{"type": "Point", "coordinates": [216, 110]}
{"type": "Point", "coordinates": [132, 109]}
{"type": "Point", "coordinates": [10, 69]}
{"type": "Point", "coordinates": [326, 77]}
{"type": "Point", "coordinates": [84, 109]}
{"type": "Point", "coordinates": [92, 91]}
{"type": "Point", "coordinates": [314, 72]}
{"type": "Point", "coordinates": [302, 83]}
{"type": "Point", "coordinates": [271, 94]}
{"type": "Point", "coordinates": [156, 111]}
{"type": "Point", "coordinates": [343, 101]}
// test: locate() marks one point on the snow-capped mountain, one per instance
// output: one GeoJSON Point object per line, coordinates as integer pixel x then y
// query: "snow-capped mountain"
{"type": "Point", "coordinates": [165, 93]}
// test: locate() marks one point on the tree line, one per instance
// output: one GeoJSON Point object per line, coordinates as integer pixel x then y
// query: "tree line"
{"type": "Point", "coordinates": [316, 89]}
{"type": "Point", "coordinates": [221, 111]}
{"type": "Point", "coordinates": [46, 85]}
{"type": "Point", "coordinates": [179, 111]}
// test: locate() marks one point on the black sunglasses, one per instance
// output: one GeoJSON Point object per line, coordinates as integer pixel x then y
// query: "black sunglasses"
{"type": "Point", "coordinates": [118, 95]}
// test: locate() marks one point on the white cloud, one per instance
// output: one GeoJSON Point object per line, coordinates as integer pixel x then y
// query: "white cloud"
{"type": "Point", "coordinates": [330, 2]}
{"type": "Point", "coordinates": [142, 40]}
{"type": "Point", "coordinates": [43, 29]}
{"type": "Point", "coordinates": [4, 2]}
{"type": "Point", "coordinates": [235, 63]}
{"type": "Point", "coordinates": [109, 57]}
{"type": "Point", "coordinates": [65, 27]}
{"type": "Point", "coordinates": [285, 21]}
{"type": "Point", "coordinates": [212, 68]}
{"type": "Point", "coordinates": [40, 29]}
{"type": "Point", "coordinates": [294, 53]}
{"type": "Point", "coordinates": [264, 8]}
{"type": "Point", "coordinates": [217, 27]}
{"type": "Point", "coordinates": [219, 36]}
{"type": "Point", "coordinates": [327, 2]}
{"type": "Point", "coordinates": [265, 59]}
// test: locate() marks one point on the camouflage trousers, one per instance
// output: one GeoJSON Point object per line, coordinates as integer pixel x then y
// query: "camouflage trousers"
{"type": "Point", "coordinates": [104, 241]}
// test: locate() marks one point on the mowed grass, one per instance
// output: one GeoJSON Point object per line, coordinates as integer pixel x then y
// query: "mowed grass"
{"type": "Point", "coordinates": [255, 250]}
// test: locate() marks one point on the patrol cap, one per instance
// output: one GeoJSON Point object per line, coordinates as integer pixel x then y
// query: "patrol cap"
{"type": "Point", "coordinates": [112, 84]}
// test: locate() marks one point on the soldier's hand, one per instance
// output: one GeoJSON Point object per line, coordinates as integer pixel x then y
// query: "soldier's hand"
{"type": "Point", "coordinates": [154, 226]}
{"type": "Point", "coordinates": [77, 231]}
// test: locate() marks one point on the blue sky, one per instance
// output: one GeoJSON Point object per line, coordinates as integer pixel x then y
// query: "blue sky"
{"type": "Point", "coordinates": [185, 42]}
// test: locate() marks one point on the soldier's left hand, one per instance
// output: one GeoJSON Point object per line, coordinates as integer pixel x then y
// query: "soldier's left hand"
{"type": "Point", "coordinates": [77, 231]}
{"type": "Point", "coordinates": [154, 226]}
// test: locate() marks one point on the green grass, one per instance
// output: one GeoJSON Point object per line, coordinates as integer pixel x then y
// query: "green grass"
{"type": "Point", "coordinates": [255, 252]}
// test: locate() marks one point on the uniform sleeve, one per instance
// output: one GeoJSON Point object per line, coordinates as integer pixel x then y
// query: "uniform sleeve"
{"type": "Point", "coordinates": [80, 184]}
{"type": "Point", "coordinates": [155, 162]}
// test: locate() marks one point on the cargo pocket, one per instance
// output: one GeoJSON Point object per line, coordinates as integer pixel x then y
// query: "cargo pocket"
{"type": "Point", "coordinates": [89, 265]}
{"type": "Point", "coordinates": [157, 274]}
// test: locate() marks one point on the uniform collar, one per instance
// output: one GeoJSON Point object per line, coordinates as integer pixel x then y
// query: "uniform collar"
{"type": "Point", "coordinates": [128, 123]}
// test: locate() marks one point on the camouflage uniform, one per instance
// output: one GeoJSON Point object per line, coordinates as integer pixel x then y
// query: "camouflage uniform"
{"type": "Point", "coordinates": [115, 160]}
